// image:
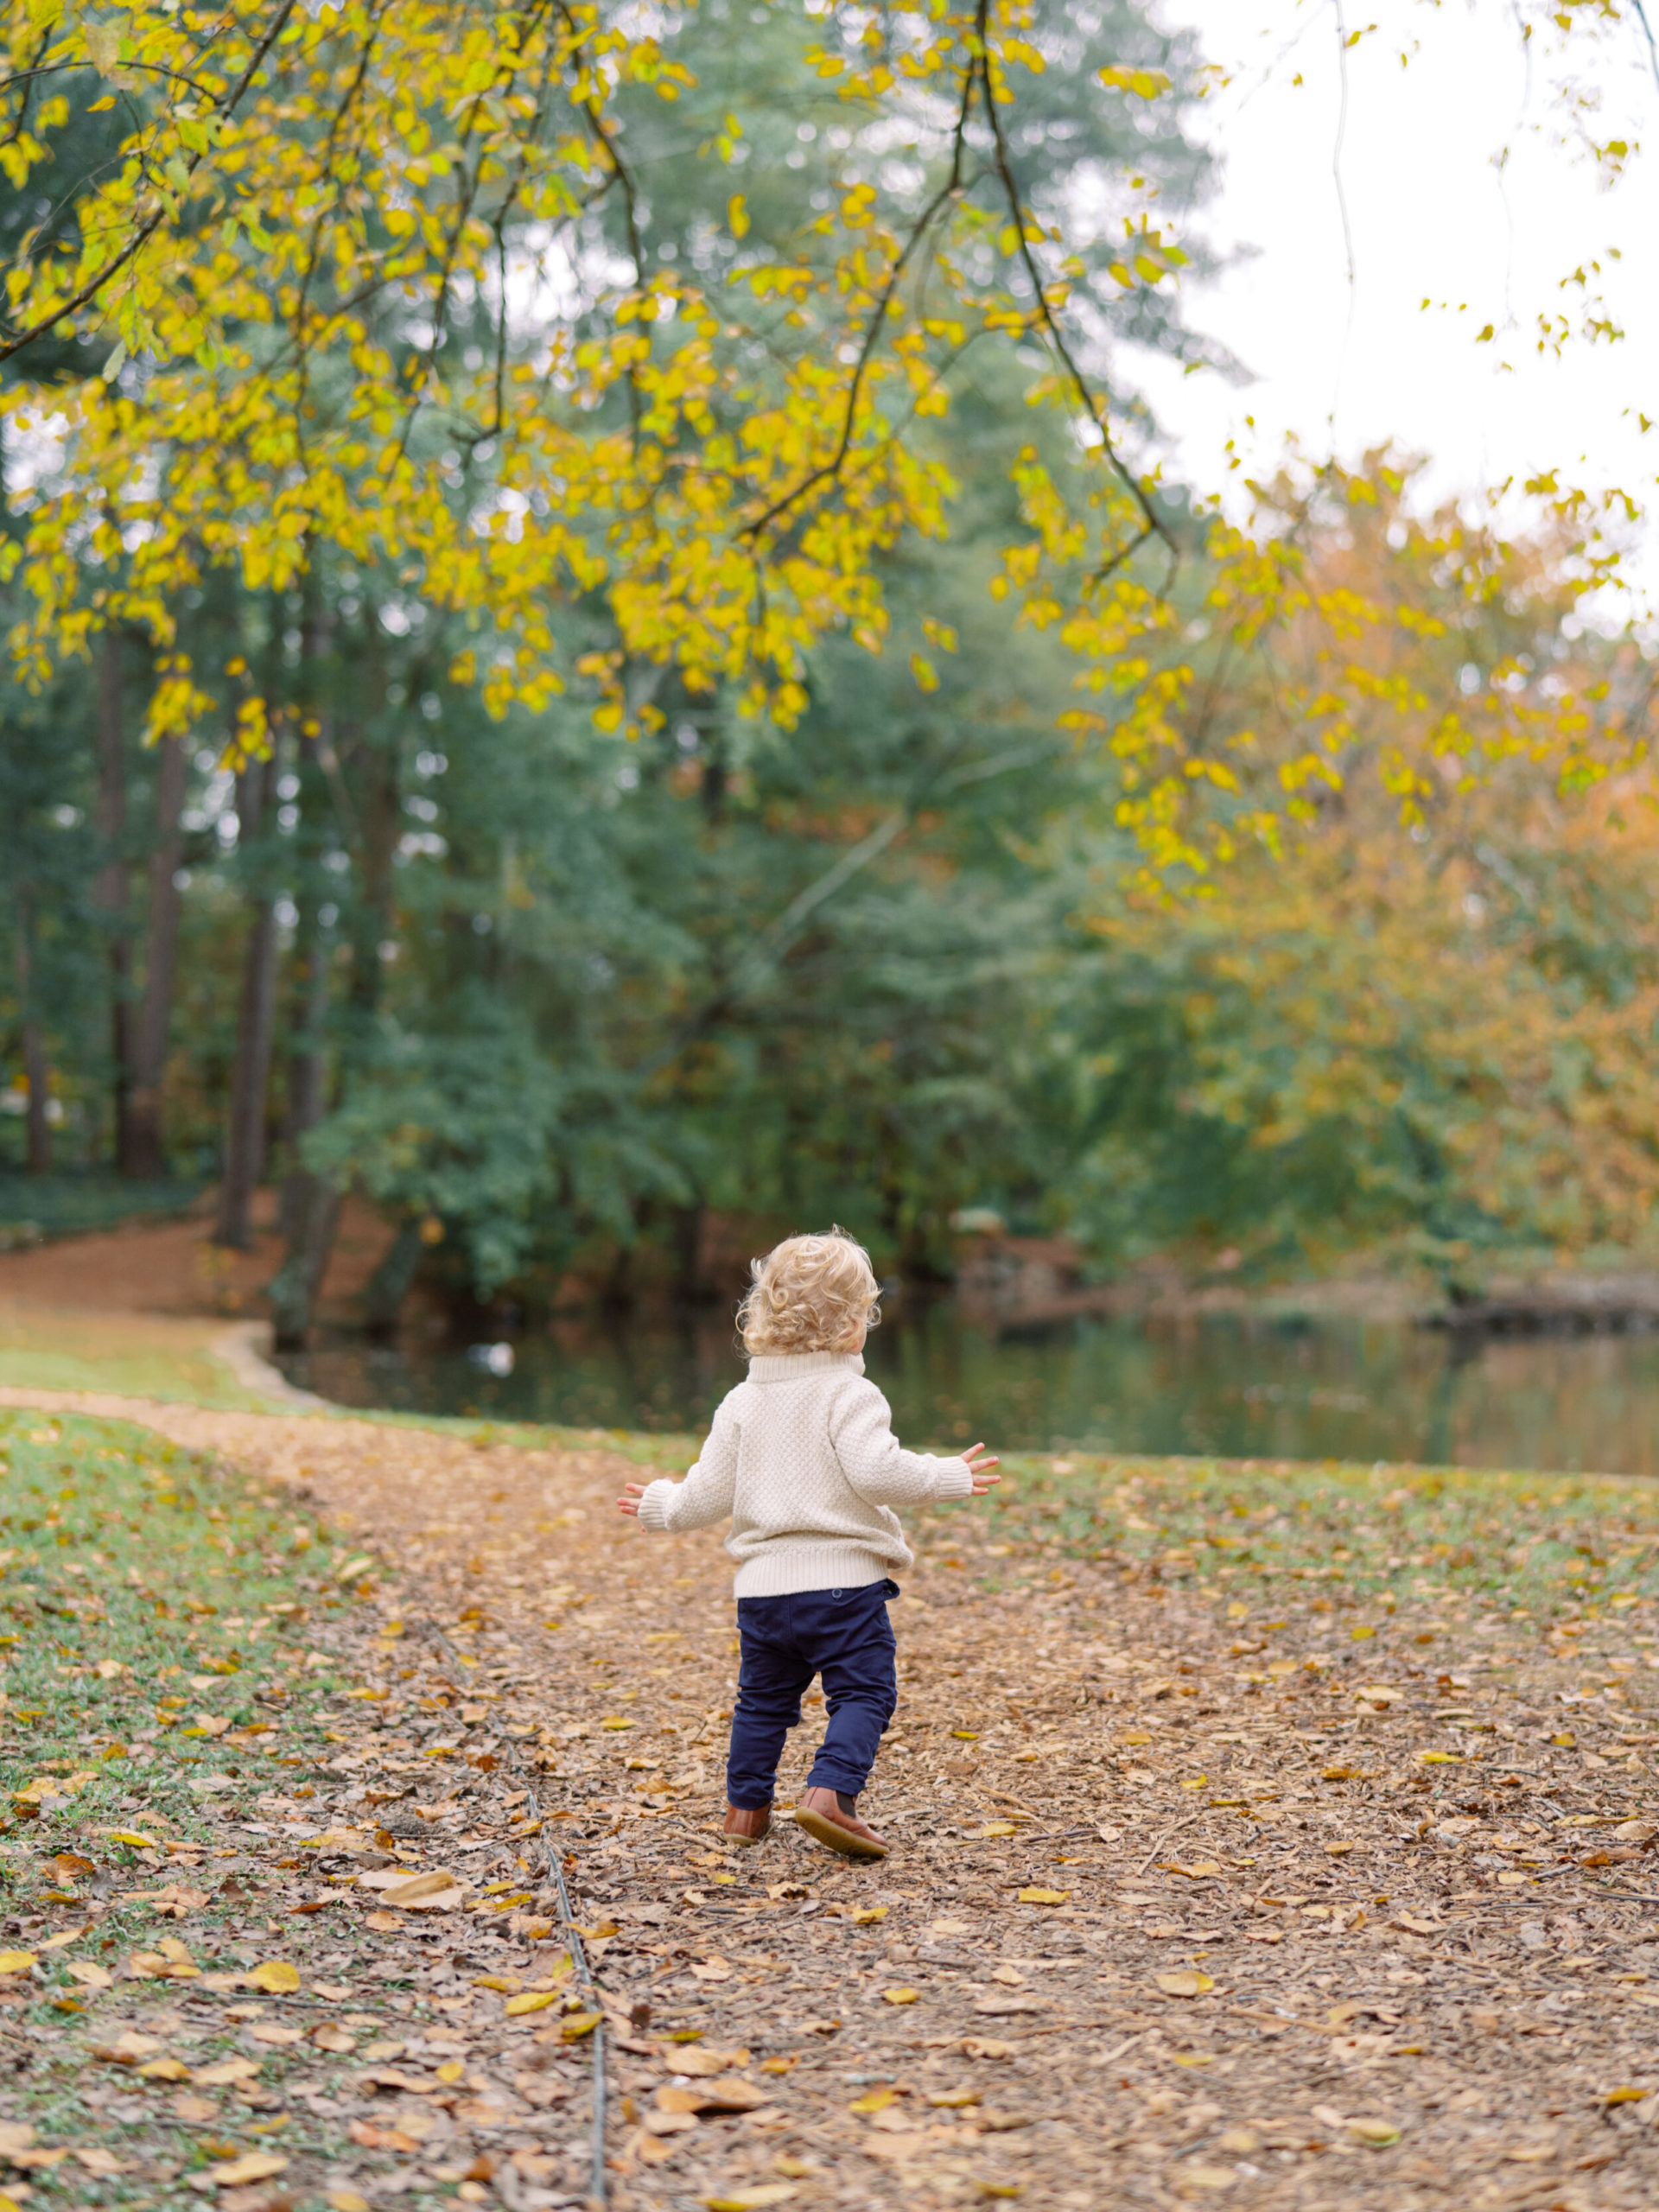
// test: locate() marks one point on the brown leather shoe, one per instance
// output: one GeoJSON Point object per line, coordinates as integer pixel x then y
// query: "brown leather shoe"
{"type": "Point", "coordinates": [747, 1824]}
{"type": "Point", "coordinates": [828, 1816]}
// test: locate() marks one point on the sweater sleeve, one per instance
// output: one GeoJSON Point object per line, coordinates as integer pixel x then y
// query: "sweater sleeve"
{"type": "Point", "coordinates": [706, 1494]}
{"type": "Point", "coordinates": [877, 1465]}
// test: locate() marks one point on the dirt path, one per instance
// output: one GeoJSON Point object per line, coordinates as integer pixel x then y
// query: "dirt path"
{"type": "Point", "coordinates": [1187, 1903]}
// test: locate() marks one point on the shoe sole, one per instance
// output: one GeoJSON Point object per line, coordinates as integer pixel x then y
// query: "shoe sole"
{"type": "Point", "coordinates": [826, 1831]}
{"type": "Point", "coordinates": [747, 1842]}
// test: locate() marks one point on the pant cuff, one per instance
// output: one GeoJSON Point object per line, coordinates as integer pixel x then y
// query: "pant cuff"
{"type": "Point", "coordinates": [848, 1782]}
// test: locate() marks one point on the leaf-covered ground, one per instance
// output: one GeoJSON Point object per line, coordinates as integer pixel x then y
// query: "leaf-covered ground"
{"type": "Point", "coordinates": [1329, 1792]}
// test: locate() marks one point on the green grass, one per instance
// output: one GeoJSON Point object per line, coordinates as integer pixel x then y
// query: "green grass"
{"type": "Point", "coordinates": [34, 1209]}
{"type": "Point", "coordinates": [137, 1579]}
{"type": "Point", "coordinates": [154, 1609]}
{"type": "Point", "coordinates": [1347, 1535]}
{"type": "Point", "coordinates": [128, 1355]}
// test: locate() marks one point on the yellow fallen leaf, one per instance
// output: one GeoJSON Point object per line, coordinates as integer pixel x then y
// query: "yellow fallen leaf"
{"type": "Point", "coordinates": [90, 1975]}
{"type": "Point", "coordinates": [752, 2200]}
{"type": "Point", "coordinates": [1186, 1981]}
{"type": "Point", "coordinates": [616, 1725]}
{"type": "Point", "coordinates": [353, 1570]}
{"type": "Point", "coordinates": [451, 2070]}
{"type": "Point", "coordinates": [1201, 1869]}
{"type": "Point", "coordinates": [17, 1961]}
{"type": "Point", "coordinates": [253, 2165]}
{"type": "Point", "coordinates": [275, 1976]}
{"type": "Point", "coordinates": [332, 2038]}
{"type": "Point", "coordinates": [346, 2200]}
{"type": "Point", "coordinates": [900, 1996]}
{"type": "Point", "coordinates": [999, 1828]}
{"type": "Point", "coordinates": [384, 1921]}
{"type": "Point", "coordinates": [225, 2071]}
{"type": "Point", "coordinates": [533, 2000]}
{"type": "Point", "coordinates": [1339, 1850]}
{"type": "Point", "coordinates": [579, 2024]}
{"type": "Point", "coordinates": [1624, 2096]}
{"type": "Point", "coordinates": [1379, 2133]}
{"type": "Point", "coordinates": [165, 2070]}
{"type": "Point", "coordinates": [1440, 1758]}
{"type": "Point", "coordinates": [866, 1916]}
{"type": "Point", "coordinates": [1044, 1897]}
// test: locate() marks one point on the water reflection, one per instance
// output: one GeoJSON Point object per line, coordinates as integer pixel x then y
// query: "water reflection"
{"type": "Point", "coordinates": [1239, 1388]}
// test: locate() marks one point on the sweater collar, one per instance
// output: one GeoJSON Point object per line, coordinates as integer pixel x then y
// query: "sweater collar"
{"type": "Point", "coordinates": [785, 1366]}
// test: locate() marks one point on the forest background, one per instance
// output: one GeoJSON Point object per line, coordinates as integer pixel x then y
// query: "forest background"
{"type": "Point", "coordinates": [550, 995]}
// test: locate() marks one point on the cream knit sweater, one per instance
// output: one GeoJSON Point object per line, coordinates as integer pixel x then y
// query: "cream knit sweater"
{"type": "Point", "coordinates": [804, 1457]}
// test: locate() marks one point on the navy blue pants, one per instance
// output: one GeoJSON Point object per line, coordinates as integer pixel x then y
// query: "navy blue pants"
{"type": "Point", "coordinates": [844, 1636]}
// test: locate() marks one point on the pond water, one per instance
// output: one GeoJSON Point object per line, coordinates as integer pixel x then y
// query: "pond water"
{"type": "Point", "coordinates": [1245, 1388]}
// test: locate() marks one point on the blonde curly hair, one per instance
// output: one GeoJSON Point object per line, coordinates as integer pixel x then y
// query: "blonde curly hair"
{"type": "Point", "coordinates": [809, 1293]}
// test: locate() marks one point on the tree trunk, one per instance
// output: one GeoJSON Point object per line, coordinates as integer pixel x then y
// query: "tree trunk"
{"type": "Point", "coordinates": [110, 887]}
{"type": "Point", "coordinates": [245, 1139]}
{"type": "Point", "coordinates": [390, 1284]}
{"type": "Point", "coordinates": [38, 1129]}
{"type": "Point", "coordinates": [145, 1129]}
{"type": "Point", "coordinates": [310, 1202]}
{"type": "Point", "coordinates": [294, 1288]}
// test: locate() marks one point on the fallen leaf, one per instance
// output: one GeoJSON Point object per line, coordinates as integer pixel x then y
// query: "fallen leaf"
{"type": "Point", "coordinates": [17, 1961]}
{"type": "Point", "coordinates": [900, 1995]}
{"type": "Point", "coordinates": [1187, 1982]}
{"type": "Point", "coordinates": [725, 2093]}
{"type": "Point", "coordinates": [1201, 1869]}
{"type": "Point", "coordinates": [752, 2200]}
{"type": "Point", "coordinates": [275, 1976]}
{"type": "Point", "coordinates": [1044, 1897]}
{"type": "Point", "coordinates": [273, 2031]}
{"type": "Point", "coordinates": [164, 2069]}
{"type": "Point", "coordinates": [253, 2165]}
{"type": "Point", "coordinates": [705, 2060]}
{"type": "Point", "coordinates": [383, 1922]}
{"type": "Point", "coordinates": [225, 2072]}
{"type": "Point", "coordinates": [575, 2025]}
{"type": "Point", "coordinates": [128, 2047]}
{"type": "Point", "coordinates": [346, 2200]}
{"type": "Point", "coordinates": [15, 2135]}
{"type": "Point", "coordinates": [1378, 2133]}
{"type": "Point", "coordinates": [90, 1975]}
{"type": "Point", "coordinates": [331, 2037]}
{"type": "Point", "coordinates": [532, 2000]}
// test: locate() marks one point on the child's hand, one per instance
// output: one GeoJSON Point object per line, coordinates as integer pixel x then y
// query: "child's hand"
{"type": "Point", "coordinates": [629, 1504]}
{"type": "Point", "coordinates": [981, 1470]}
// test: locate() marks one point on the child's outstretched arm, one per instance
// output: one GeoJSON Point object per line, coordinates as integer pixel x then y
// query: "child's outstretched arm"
{"type": "Point", "coordinates": [878, 1467]}
{"type": "Point", "coordinates": [702, 1498]}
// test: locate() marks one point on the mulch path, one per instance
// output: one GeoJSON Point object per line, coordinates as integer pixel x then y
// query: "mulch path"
{"type": "Point", "coordinates": [1189, 1900]}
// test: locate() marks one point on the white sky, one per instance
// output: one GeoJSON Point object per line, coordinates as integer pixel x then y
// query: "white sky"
{"type": "Point", "coordinates": [1428, 216]}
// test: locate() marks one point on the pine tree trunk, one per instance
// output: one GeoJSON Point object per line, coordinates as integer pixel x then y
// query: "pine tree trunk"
{"type": "Point", "coordinates": [294, 1288]}
{"type": "Point", "coordinates": [109, 887]}
{"type": "Point", "coordinates": [245, 1139]}
{"type": "Point", "coordinates": [145, 1125]}
{"type": "Point", "coordinates": [35, 1070]}
{"type": "Point", "coordinates": [392, 1282]}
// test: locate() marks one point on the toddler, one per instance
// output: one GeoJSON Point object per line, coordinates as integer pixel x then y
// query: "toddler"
{"type": "Point", "coordinates": [803, 1459]}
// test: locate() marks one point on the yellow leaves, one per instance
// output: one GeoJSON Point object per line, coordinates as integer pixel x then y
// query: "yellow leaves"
{"type": "Point", "coordinates": [251, 2166]}
{"type": "Point", "coordinates": [275, 1976]}
{"type": "Point", "coordinates": [927, 679]}
{"type": "Point", "coordinates": [737, 215]}
{"type": "Point", "coordinates": [1186, 1981]}
{"type": "Point", "coordinates": [1044, 1897]}
{"type": "Point", "coordinates": [575, 2025]}
{"type": "Point", "coordinates": [531, 2001]}
{"type": "Point", "coordinates": [1144, 84]}
{"type": "Point", "coordinates": [900, 1994]}
{"type": "Point", "coordinates": [17, 1961]}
